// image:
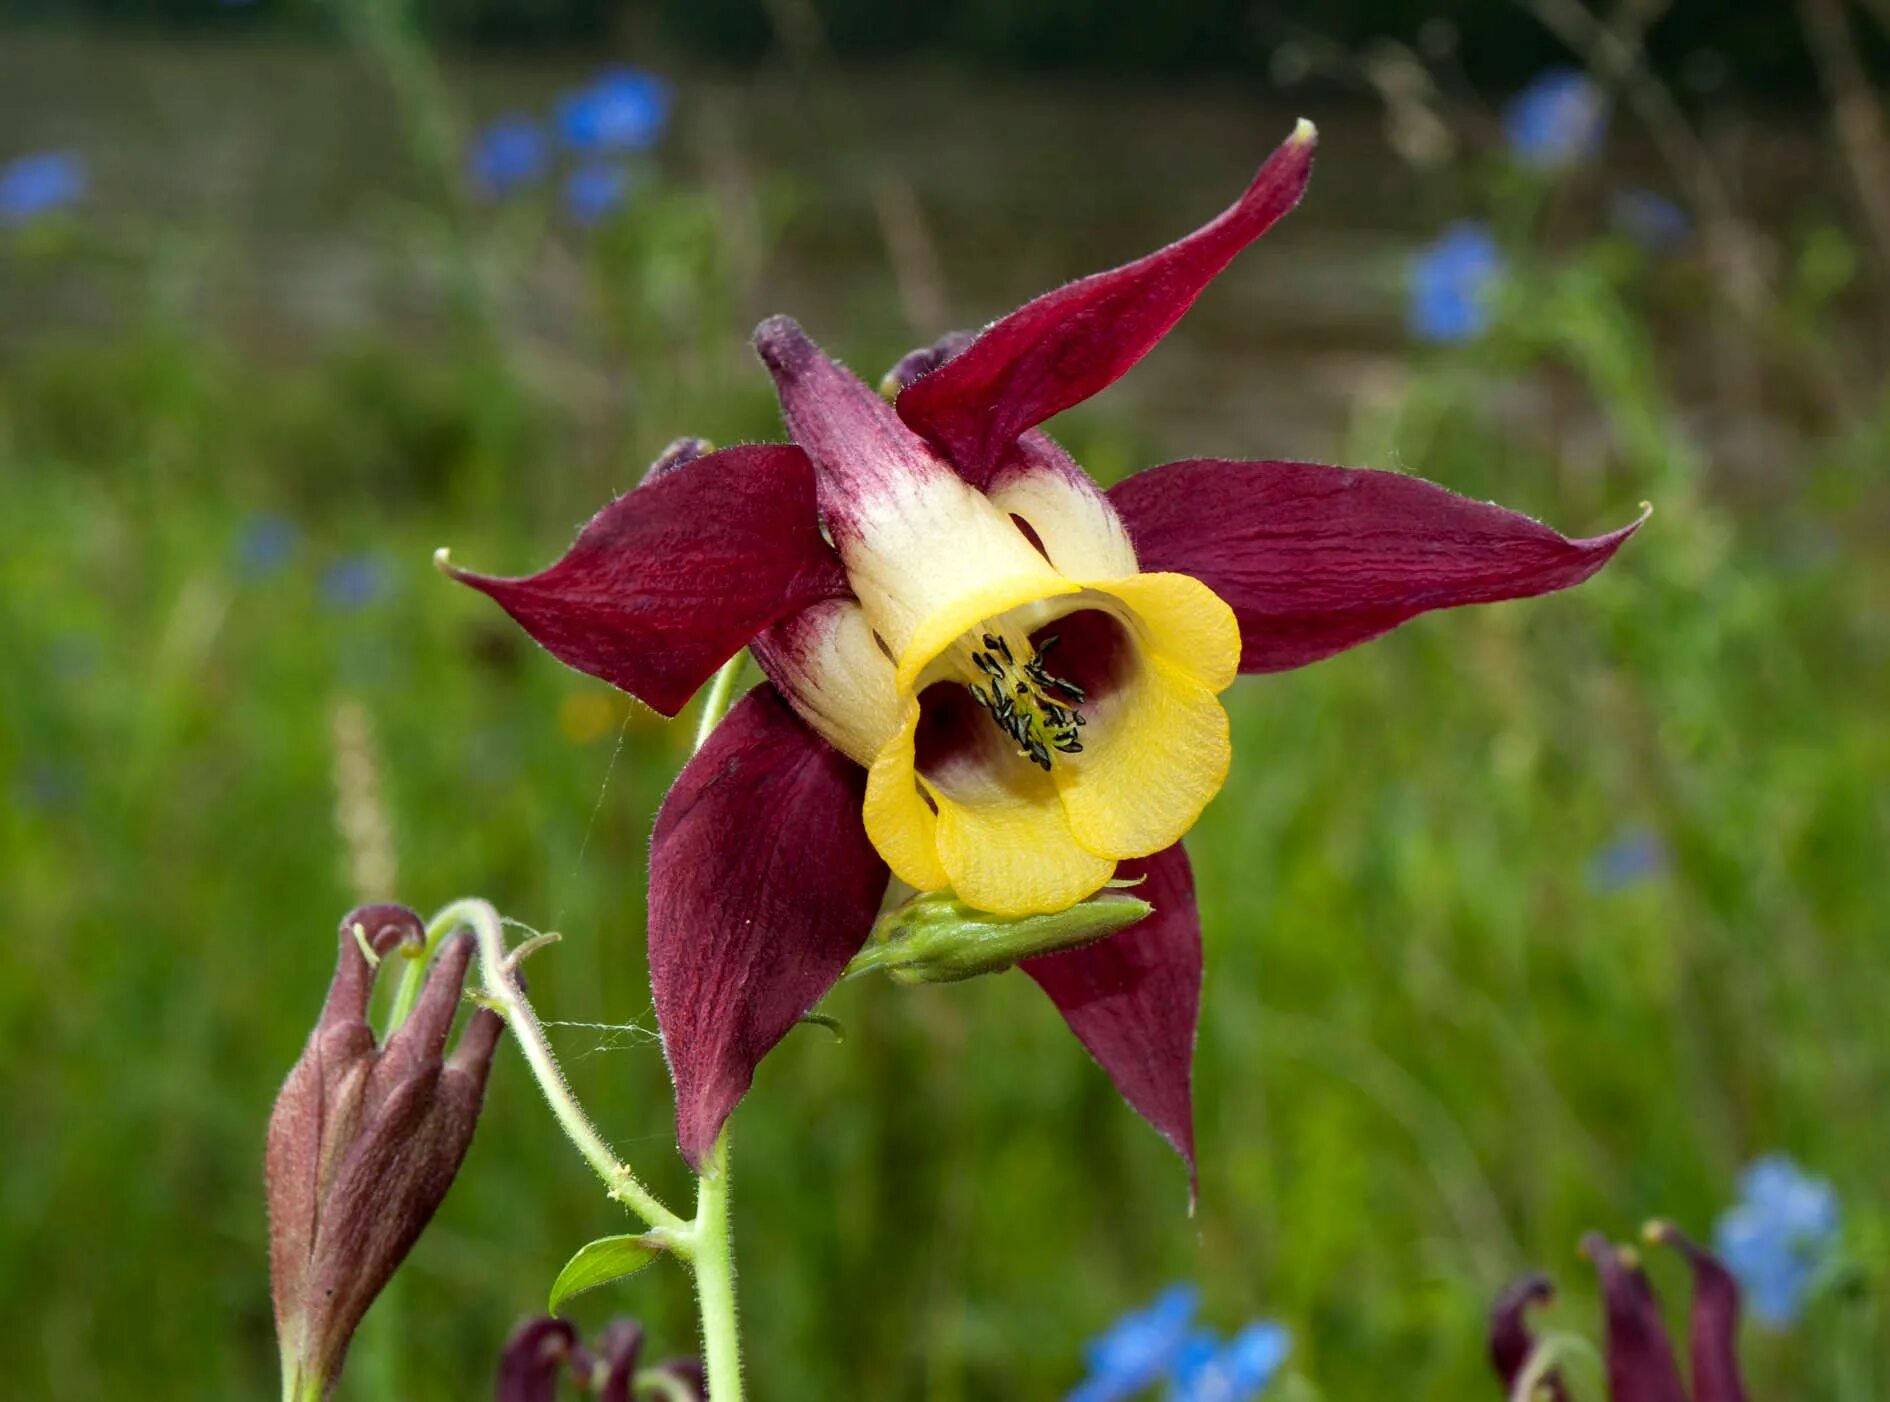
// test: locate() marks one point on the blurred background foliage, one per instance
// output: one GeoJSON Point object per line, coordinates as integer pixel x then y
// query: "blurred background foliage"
{"type": "Point", "coordinates": [1520, 922]}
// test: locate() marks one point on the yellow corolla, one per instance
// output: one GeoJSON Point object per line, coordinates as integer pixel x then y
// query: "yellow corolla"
{"type": "Point", "coordinates": [1030, 708]}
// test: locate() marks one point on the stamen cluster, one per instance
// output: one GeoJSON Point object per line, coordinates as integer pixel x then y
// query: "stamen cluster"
{"type": "Point", "coordinates": [1038, 711]}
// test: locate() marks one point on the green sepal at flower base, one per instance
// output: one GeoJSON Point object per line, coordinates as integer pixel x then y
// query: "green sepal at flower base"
{"type": "Point", "coordinates": [937, 938]}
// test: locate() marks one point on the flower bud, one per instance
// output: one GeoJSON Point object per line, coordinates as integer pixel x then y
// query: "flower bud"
{"type": "Point", "coordinates": [923, 361]}
{"type": "Point", "coordinates": [364, 1142]}
{"type": "Point", "coordinates": [936, 938]}
{"type": "Point", "coordinates": [542, 1350]}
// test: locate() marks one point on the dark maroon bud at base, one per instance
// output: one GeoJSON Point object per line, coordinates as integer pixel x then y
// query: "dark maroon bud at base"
{"type": "Point", "coordinates": [923, 361]}
{"type": "Point", "coordinates": [678, 454]}
{"type": "Point", "coordinates": [1714, 1329]}
{"type": "Point", "coordinates": [543, 1350]}
{"type": "Point", "coordinates": [364, 1142]}
{"type": "Point", "coordinates": [538, 1351]}
{"type": "Point", "coordinates": [1512, 1345]}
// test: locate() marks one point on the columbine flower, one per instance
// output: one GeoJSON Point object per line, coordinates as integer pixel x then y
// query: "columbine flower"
{"type": "Point", "coordinates": [542, 1351]}
{"type": "Point", "coordinates": [1640, 1356]}
{"type": "Point", "coordinates": [624, 109]}
{"type": "Point", "coordinates": [1557, 121]}
{"type": "Point", "coordinates": [1780, 1236]}
{"type": "Point", "coordinates": [508, 155]}
{"type": "Point", "coordinates": [363, 1143]}
{"type": "Point", "coordinates": [1453, 281]}
{"type": "Point", "coordinates": [985, 673]}
{"type": "Point", "coordinates": [1209, 1369]}
{"type": "Point", "coordinates": [40, 184]}
{"type": "Point", "coordinates": [1140, 1348]}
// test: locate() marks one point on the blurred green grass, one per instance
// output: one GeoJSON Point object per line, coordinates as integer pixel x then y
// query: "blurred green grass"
{"type": "Point", "coordinates": [1438, 1040]}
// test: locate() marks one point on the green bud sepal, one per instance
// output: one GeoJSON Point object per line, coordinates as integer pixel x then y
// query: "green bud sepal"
{"type": "Point", "coordinates": [937, 938]}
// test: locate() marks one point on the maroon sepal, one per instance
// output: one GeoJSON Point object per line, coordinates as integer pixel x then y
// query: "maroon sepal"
{"type": "Point", "coordinates": [534, 1358]}
{"type": "Point", "coordinates": [671, 580]}
{"type": "Point", "coordinates": [762, 886]}
{"type": "Point", "coordinates": [1314, 560]}
{"type": "Point", "coordinates": [1511, 1342]}
{"type": "Point", "coordinates": [1066, 345]}
{"type": "Point", "coordinates": [1714, 1328]}
{"type": "Point", "coordinates": [1641, 1365]}
{"type": "Point", "coordinates": [1133, 999]}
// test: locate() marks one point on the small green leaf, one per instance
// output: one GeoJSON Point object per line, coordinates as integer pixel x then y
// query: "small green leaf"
{"type": "Point", "coordinates": [602, 1261]}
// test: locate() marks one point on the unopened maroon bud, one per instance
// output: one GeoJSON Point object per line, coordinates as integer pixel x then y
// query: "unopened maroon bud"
{"type": "Point", "coordinates": [1713, 1329]}
{"type": "Point", "coordinates": [613, 1366]}
{"type": "Point", "coordinates": [1641, 1365]}
{"type": "Point", "coordinates": [678, 454]}
{"type": "Point", "coordinates": [923, 361]}
{"type": "Point", "coordinates": [686, 1373]}
{"type": "Point", "coordinates": [538, 1351]}
{"type": "Point", "coordinates": [364, 1142]}
{"type": "Point", "coordinates": [1512, 1345]}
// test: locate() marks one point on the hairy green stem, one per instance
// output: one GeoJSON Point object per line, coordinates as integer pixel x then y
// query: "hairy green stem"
{"type": "Point", "coordinates": [715, 1278]}
{"type": "Point", "coordinates": [713, 1247]}
{"type": "Point", "coordinates": [721, 694]}
{"type": "Point", "coordinates": [498, 971]}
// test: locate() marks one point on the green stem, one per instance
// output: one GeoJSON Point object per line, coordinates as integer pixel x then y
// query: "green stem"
{"type": "Point", "coordinates": [721, 693]}
{"type": "Point", "coordinates": [498, 971]}
{"type": "Point", "coordinates": [713, 1253]}
{"type": "Point", "coordinates": [715, 1278]}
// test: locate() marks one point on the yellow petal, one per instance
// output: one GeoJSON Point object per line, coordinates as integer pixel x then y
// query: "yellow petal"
{"type": "Point", "coordinates": [1007, 847]}
{"type": "Point", "coordinates": [1180, 618]}
{"type": "Point", "coordinates": [899, 822]}
{"type": "Point", "coordinates": [1156, 752]}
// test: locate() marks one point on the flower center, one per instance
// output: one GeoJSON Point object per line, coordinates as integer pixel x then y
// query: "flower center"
{"type": "Point", "coordinates": [1036, 710]}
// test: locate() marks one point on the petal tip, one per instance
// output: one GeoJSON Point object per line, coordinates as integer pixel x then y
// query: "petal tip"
{"type": "Point", "coordinates": [783, 347]}
{"type": "Point", "coordinates": [1304, 133]}
{"type": "Point", "coordinates": [443, 562]}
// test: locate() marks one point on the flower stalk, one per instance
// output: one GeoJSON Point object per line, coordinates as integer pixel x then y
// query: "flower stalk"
{"type": "Point", "coordinates": [704, 1243]}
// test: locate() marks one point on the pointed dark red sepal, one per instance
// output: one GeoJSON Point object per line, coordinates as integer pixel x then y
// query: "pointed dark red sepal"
{"type": "Point", "coordinates": [762, 885]}
{"type": "Point", "coordinates": [1314, 560]}
{"type": "Point", "coordinates": [1512, 1344]}
{"type": "Point", "coordinates": [1641, 1365]}
{"type": "Point", "coordinates": [671, 580]}
{"type": "Point", "coordinates": [1134, 999]}
{"type": "Point", "coordinates": [1066, 345]}
{"type": "Point", "coordinates": [1714, 1328]}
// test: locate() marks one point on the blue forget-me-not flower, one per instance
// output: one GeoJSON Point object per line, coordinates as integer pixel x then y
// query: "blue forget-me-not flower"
{"type": "Point", "coordinates": [1779, 1236]}
{"type": "Point", "coordinates": [1631, 856]}
{"type": "Point", "coordinates": [265, 545]}
{"type": "Point", "coordinates": [624, 109]}
{"type": "Point", "coordinates": [1653, 221]}
{"type": "Point", "coordinates": [355, 582]}
{"type": "Point", "coordinates": [40, 184]}
{"type": "Point", "coordinates": [1161, 1343]}
{"type": "Point", "coordinates": [1557, 121]}
{"type": "Point", "coordinates": [594, 191]}
{"type": "Point", "coordinates": [1452, 281]}
{"type": "Point", "coordinates": [1237, 1370]}
{"type": "Point", "coordinates": [507, 155]}
{"type": "Point", "coordinates": [1138, 1350]}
